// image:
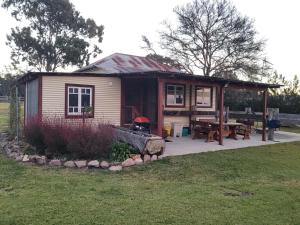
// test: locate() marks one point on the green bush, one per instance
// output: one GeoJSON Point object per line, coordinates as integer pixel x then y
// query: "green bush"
{"type": "Point", "coordinates": [122, 151]}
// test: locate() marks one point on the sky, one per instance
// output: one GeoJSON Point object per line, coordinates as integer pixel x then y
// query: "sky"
{"type": "Point", "coordinates": [126, 21]}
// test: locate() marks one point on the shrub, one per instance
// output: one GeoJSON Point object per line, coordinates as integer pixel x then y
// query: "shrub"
{"type": "Point", "coordinates": [87, 142]}
{"type": "Point", "coordinates": [57, 138]}
{"type": "Point", "coordinates": [122, 151]}
{"type": "Point", "coordinates": [34, 135]}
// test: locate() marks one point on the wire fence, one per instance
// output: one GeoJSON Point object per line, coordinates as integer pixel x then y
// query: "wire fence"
{"type": "Point", "coordinates": [7, 98]}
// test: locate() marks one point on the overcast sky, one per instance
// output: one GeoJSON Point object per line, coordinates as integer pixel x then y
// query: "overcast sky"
{"type": "Point", "coordinates": [126, 21]}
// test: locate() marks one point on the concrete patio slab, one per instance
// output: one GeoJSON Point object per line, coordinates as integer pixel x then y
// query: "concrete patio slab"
{"type": "Point", "coordinates": [185, 145]}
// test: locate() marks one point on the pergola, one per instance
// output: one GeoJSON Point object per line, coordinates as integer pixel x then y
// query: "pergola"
{"type": "Point", "coordinates": [220, 83]}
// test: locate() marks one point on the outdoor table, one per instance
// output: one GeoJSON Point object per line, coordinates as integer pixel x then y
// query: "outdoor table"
{"type": "Point", "coordinates": [232, 127]}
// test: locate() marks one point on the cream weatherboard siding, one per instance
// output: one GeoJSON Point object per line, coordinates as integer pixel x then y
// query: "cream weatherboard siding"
{"type": "Point", "coordinates": [107, 96]}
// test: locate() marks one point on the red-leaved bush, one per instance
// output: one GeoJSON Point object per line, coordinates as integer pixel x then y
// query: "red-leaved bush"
{"type": "Point", "coordinates": [34, 135]}
{"type": "Point", "coordinates": [56, 137]}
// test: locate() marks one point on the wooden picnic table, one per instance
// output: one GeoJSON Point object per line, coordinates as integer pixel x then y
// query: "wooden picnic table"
{"type": "Point", "coordinates": [231, 132]}
{"type": "Point", "coordinates": [229, 128]}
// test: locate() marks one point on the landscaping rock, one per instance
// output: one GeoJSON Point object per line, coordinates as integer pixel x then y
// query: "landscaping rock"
{"type": "Point", "coordinates": [80, 163]}
{"type": "Point", "coordinates": [154, 158]}
{"type": "Point", "coordinates": [13, 155]}
{"type": "Point", "coordinates": [160, 157]}
{"type": "Point", "coordinates": [25, 158]}
{"type": "Point", "coordinates": [55, 162]}
{"type": "Point", "coordinates": [69, 164]}
{"type": "Point", "coordinates": [128, 162]}
{"type": "Point", "coordinates": [33, 158]}
{"type": "Point", "coordinates": [115, 168]}
{"type": "Point", "coordinates": [137, 156]}
{"type": "Point", "coordinates": [94, 163]}
{"type": "Point", "coordinates": [147, 158]}
{"type": "Point", "coordinates": [19, 158]}
{"type": "Point", "coordinates": [138, 161]}
{"type": "Point", "coordinates": [41, 160]}
{"type": "Point", "coordinates": [104, 165]}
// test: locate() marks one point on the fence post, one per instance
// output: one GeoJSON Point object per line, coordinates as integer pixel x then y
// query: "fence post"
{"type": "Point", "coordinates": [17, 113]}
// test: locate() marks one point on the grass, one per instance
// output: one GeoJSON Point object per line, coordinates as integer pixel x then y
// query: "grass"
{"type": "Point", "coordinates": [4, 110]}
{"type": "Point", "coordinates": [258, 185]}
{"type": "Point", "coordinates": [291, 129]}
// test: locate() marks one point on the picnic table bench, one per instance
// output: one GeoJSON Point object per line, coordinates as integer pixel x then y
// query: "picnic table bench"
{"type": "Point", "coordinates": [210, 130]}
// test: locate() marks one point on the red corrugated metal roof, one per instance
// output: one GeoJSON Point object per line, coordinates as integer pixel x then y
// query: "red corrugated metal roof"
{"type": "Point", "coordinates": [124, 63]}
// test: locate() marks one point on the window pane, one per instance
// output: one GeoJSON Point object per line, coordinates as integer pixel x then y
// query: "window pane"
{"type": "Point", "coordinates": [175, 95]}
{"type": "Point", "coordinates": [88, 91]}
{"type": "Point", "coordinates": [170, 99]}
{"type": "Point", "coordinates": [70, 109]}
{"type": "Point", "coordinates": [85, 100]}
{"type": "Point", "coordinates": [75, 90]}
{"type": "Point", "coordinates": [73, 99]}
{"type": "Point", "coordinates": [204, 97]}
{"type": "Point", "coordinates": [179, 99]}
{"type": "Point", "coordinates": [170, 90]}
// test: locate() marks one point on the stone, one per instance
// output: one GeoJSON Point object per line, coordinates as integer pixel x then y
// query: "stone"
{"type": "Point", "coordinates": [115, 168]}
{"type": "Point", "coordinates": [160, 157]}
{"type": "Point", "coordinates": [13, 155]}
{"type": "Point", "coordinates": [55, 162]}
{"type": "Point", "coordinates": [32, 158]}
{"type": "Point", "coordinates": [69, 164]}
{"type": "Point", "coordinates": [19, 158]}
{"type": "Point", "coordinates": [41, 160]}
{"type": "Point", "coordinates": [93, 163]}
{"type": "Point", "coordinates": [25, 158]}
{"type": "Point", "coordinates": [128, 162]}
{"type": "Point", "coordinates": [147, 158]}
{"type": "Point", "coordinates": [104, 165]}
{"type": "Point", "coordinates": [137, 156]}
{"type": "Point", "coordinates": [153, 157]}
{"type": "Point", "coordinates": [80, 163]}
{"type": "Point", "coordinates": [138, 161]}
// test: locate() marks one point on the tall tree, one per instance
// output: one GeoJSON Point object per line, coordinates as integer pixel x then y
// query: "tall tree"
{"type": "Point", "coordinates": [55, 35]}
{"type": "Point", "coordinates": [212, 36]}
{"type": "Point", "coordinates": [157, 57]}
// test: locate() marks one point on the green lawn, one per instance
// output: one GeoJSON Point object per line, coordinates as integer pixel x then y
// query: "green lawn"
{"type": "Point", "coordinates": [4, 110]}
{"type": "Point", "coordinates": [291, 129]}
{"type": "Point", "coordinates": [258, 185]}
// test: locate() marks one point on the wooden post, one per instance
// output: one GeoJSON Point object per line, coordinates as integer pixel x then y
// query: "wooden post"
{"type": "Point", "coordinates": [190, 113]}
{"type": "Point", "coordinates": [122, 109]}
{"type": "Point", "coordinates": [221, 115]}
{"type": "Point", "coordinates": [160, 116]}
{"type": "Point", "coordinates": [264, 119]}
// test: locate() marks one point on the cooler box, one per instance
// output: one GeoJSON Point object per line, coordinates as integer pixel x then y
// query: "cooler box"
{"type": "Point", "coordinates": [185, 131]}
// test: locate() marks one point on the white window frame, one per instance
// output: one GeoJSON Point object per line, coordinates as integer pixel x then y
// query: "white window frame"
{"type": "Point", "coordinates": [80, 89]}
{"type": "Point", "coordinates": [175, 93]}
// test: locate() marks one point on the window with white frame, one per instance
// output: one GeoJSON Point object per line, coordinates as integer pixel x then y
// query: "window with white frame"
{"type": "Point", "coordinates": [79, 99]}
{"type": "Point", "coordinates": [175, 95]}
{"type": "Point", "coordinates": [204, 97]}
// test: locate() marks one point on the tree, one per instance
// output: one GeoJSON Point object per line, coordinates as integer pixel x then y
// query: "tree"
{"type": "Point", "coordinates": [290, 87]}
{"type": "Point", "coordinates": [55, 35]}
{"type": "Point", "coordinates": [158, 57]}
{"type": "Point", "coordinates": [212, 36]}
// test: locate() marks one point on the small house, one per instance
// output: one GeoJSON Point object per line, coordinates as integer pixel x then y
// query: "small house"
{"type": "Point", "coordinates": [121, 87]}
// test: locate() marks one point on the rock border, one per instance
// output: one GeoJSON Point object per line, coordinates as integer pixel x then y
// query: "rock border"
{"type": "Point", "coordinates": [14, 150]}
